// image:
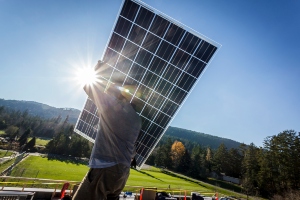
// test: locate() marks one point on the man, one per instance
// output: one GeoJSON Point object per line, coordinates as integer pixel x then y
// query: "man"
{"type": "Point", "coordinates": [114, 144]}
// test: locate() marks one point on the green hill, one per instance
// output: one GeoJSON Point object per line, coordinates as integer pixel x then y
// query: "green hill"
{"type": "Point", "coordinates": [201, 138]}
{"type": "Point", "coordinates": [42, 110]}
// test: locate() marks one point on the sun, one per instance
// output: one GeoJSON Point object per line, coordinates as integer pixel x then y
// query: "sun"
{"type": "Point", "coordinates": [86, 75]}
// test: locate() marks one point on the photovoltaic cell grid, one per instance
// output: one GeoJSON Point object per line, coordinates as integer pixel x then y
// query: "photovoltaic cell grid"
{"type": "Point", "coordinates": [161, 59]}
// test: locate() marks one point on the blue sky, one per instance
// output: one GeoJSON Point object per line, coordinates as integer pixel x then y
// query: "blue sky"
{"type": "Point", "coordinates": [249, 91]}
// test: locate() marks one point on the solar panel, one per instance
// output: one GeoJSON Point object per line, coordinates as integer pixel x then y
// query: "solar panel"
{"type": "Point", "coordinates": [161, 58]}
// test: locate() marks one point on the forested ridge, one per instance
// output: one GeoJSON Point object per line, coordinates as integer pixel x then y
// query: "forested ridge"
{"type": "Point", "coordinates": [46, 112]}
{"type": "Point", "coordinates": [200, 138]}
{"type": "Point", "coordinates": [272, 170]}
{"type": "Point", "coordinates": [42, 110]}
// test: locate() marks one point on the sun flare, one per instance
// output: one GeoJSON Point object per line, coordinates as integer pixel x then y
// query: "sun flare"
{"type": "Point", "coordinates": [86, 76]}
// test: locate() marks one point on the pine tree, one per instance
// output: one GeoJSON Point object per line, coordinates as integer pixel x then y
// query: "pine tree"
{"type": "Point", "coordinates": [168, 161]}
{"type": "Point", "coordinates": [220, 159]}
{"type": "Point", "coordinates": [30, 145]}
{"type": "Point", "coordinates": [185, 163]}
{"type": "Point", "coordinates": [234, 163]}
{"type": "Point", "coordinates": [197, 169]}
{"type": "Point", "coordinates": [250, 168]}
{"type": "Point", "coordinates": [283, 162]}
{"type": "Point", "coordinates": [196, 166]}
{"type": "Point", "coordinates": [23, 139]}
{"type": "Point", "coordinates": [160, 157]}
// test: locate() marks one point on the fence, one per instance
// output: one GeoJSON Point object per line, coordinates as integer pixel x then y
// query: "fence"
{"type": "Point", "coordinates": [24, 183]}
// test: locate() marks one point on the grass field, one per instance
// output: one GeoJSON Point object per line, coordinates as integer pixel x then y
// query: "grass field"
{"type": "Point", "coordinates": [41, 167]}
{"type": "Point", "coordinates": [155, 178]}
{"type": "Point", "coordinates": [6, 164]}
{"type": "Point", "coordinates": [5, 153]}
{"type": "Point", "coordinates": [2, 132]}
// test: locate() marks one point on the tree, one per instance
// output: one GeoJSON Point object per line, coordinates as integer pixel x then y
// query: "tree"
{"type": "Point", "coordinates": [151, 159]}
{"type": "Point", "coordinates": [208, 160]}
{"type": "Point", "coordinates": [167, 149]}
{"type": "Point", "coordinates": [163, 158]}
{"type": "Point", "coordinates": [30, 145]}
{"type": "Point", "coordinates": [198, 168]}
{"type": "Point", "coordinates": [66, 121]}
{"type": "Point", "coordinates": [185, 163]}
{"type": "Point", "coordinates": [177, 151]}
{"type": "Point", "coordinates": [248, 186]}
{"type": "Point", "coordinates": [250, 168]}
{"type": "Point", "coordinates": [23, 139]}
{"type": "Point", "coordinates": [1, 109]}
{"type": "Point", "coordinates": [281, 163]}
{"type": "Point", "coordinates": [234, 163]}
{"type": "Point", "coordinates": [12, 131]}
{"type": "Point", "coordinates": [58, 119]}
{"type": "Point", "coordinates": [160, 157]}
{"type": "Point", "coordinates": [163, 155]}
{"type": "Point", "coordinates": [220, 159]}
{"type": "Point", "coordinates": [25, 113]}
{"type": "Point", "coordinates": [79, 147]}
{"type": "Point", "coordinates": [3, 125]}
{"type": "Point", "coordinates": [58, 144]}
{"type": "Point", "coordinates": [264, 176]}
{"type": "Point", "coordinates": [67, 143]}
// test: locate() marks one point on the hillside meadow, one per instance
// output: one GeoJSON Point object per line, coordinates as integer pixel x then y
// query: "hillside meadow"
{"type": "Point", "coordinates": [44, 168]}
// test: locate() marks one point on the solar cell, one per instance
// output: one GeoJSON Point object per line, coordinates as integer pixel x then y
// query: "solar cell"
{"type": "Point", "coordinates": [159, 60]}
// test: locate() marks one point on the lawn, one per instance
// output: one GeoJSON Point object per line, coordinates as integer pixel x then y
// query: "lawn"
{"type": "Point", "coordinates": [2, 132]}
{"type": "Point", "coordinates": [6, 164]}
{"type": "Point", "coordinates": [43, 168]}
{"type": "Point", "coordinates": [4, 153]}
{"type": "Point", "coordinates": [155, 178]}
{"type": "Point", "coordinates": [39, 167]}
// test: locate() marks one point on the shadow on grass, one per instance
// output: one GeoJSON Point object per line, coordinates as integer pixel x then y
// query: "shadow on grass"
{"type": "Point", "coordinates": [222, 184]}
{"type": "Point", "coordinates": [68, 159]}
{"type": "Point", "coordinates": [145, 173]}
{"type": "Point", "coordinates": [183, 178]}
{"type": "Point", "coordinates": [225, 185]}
